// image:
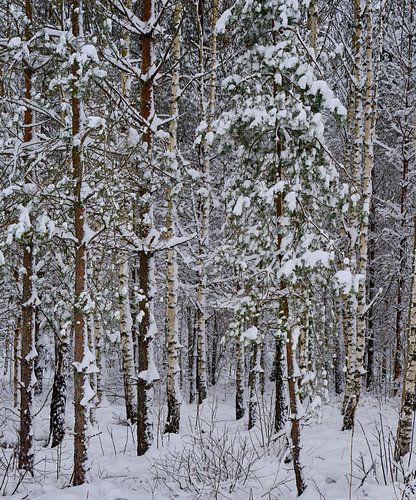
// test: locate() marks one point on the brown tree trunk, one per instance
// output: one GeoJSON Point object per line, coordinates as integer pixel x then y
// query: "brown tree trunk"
{"type": "Point", "coordinates": [80, 333]}
{"type": "Point", "coordinates": [146, 257]}
{"type": "Point", "coordinates": [28, 354]}
{"type": "Point", "coordinates": [28, 350]}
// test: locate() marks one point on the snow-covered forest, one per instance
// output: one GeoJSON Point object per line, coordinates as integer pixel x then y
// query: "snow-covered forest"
{"type": "Point", "coordinates": [207, 249]}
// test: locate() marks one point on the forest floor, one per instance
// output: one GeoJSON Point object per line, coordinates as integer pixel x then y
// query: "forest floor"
{"type": "Point", "coordinates": [215, 457]}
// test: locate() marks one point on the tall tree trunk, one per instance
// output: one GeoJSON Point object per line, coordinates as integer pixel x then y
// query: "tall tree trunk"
{"type": "Point", "coordinates": [208, 109]}
{"type": "Point", "coordinates": [407, 141]}
{"type": "Point", "coordinates": [28, 349]}
{"type": "Point", "coordinates": [147, 326]}
{"type": "Point", "coordinates": [172, 390]}
{"type": "Point", "coordinates": [290, 362]}
{"type": "Point", "coordinates": [80, 214]}
{"type": "Point", "coordinates": [352, 303]}
{"type": "Point", "coordinates": [28, 354]}
{"type": "Point", "coordinates": [293, 402]}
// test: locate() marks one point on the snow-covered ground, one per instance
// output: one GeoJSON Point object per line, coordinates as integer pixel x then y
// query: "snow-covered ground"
{"type": "Point", "coordinates": [216, 457]}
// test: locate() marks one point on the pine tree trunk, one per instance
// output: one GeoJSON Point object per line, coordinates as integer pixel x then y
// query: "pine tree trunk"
{"type": "Point", "coordinates": [80, 327]}
{"type": "Point", "coordinates": [147, 324]}
{"type": "Point", "coordinates": [28, 349]}
{"type": "Point", "coordinates": [293, 404]}
{"type": "Point", "coordinates": [290, 362]}
{"type": "Point", "coordinates": [28, 354]}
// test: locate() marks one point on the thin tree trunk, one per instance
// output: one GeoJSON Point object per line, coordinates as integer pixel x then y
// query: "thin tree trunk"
{"type": "Point", "coordinates": [239, 378]}
{"type": "Point", "coordinates": [367, 187]}
{"type": "Point", "coordinates": [172, 390]}
{"type": "Point", "coordinates": [293, 403]}
{"type": "Point", "coordinates": [16, 360]}
{"type": "Point", "coordinates": [28, 349]}
{"type": "Point", "coordinates": [253, 384]}
{"type": "Point", "coordinates": [147, 326]}
{"type": "Point", "coordinates": [352, 303]}
{"type": "Point", "coordinates": [39, 360]}
{"type": "Point", "coordinates": [408, 404]}
{"type": "Point", "coordinates": [280, 404]}
{"type": "Point", "coordinates": [208, 108]}
{"type": "Point", "coordinates": [126, 341]}
{"type": "Point", "coordinates": [80, 327]}
{"type": "Point", "coordinates": [407, 142]}
{"type": "Point", "coordinates": [99, 355]}
{"type": "Point", "coordinates": [28, 354]}
{"type": "Point", "coordinates": [59, 388]}
{"type": "Point", "coordinates": [290, 362]}
{"type": "Point", "coordinates": [191, 356]}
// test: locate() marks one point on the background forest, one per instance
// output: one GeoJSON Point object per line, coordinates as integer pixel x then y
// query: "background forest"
{"type": "Point", "coordinates": [207, 249]}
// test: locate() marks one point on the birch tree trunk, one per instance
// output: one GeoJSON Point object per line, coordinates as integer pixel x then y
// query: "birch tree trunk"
{"type": "Point", "coordinates": [59, 388]}
{"type": "Point", "coordinates": [408, 403]}
{"type": "Point", "coordinates": [172, 390]}
{"type": "Point", "coordinates": [126, 341]}
{"type": "Point", "coordinates": [367, 188]}
{"type": "Point", "coordinates": [351, 305]}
